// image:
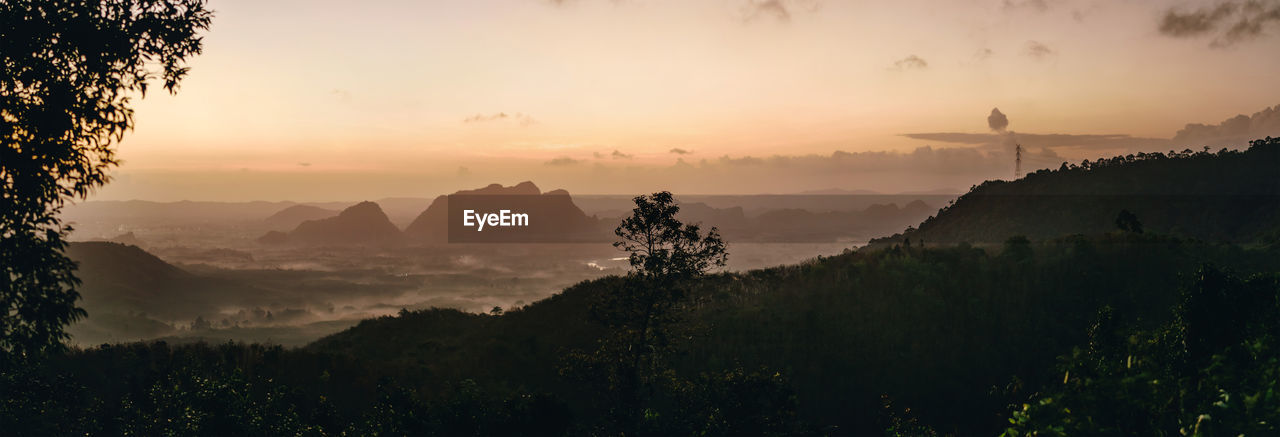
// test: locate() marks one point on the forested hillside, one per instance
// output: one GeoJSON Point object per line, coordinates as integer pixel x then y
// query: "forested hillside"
{"type": "Point", "coordinates": [1230, 195]}
{"type": "Point", "coordinates": [955, 334]}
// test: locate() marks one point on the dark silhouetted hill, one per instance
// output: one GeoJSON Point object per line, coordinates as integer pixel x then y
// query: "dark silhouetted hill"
{"type": "Point", "coordinates": [361, 224]}
{"type": "Point", "coordinates": [127, 290]}
{"type": "Point", "coordinates": [123, 277]}
{"type": "Point", "coordinates": [115, 263]}
{"type": "Point", "coordinates": [293, 216]}
{"type": "Point", "coordinates": [933, 328]}
{"type": "Point", "coordinates": [1224, 196]}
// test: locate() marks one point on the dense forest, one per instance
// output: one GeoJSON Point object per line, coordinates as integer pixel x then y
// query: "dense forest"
{"type": "Point", "coordinates": [1118, 332]}
{"type": "Point", "coordinates": [956, 335]}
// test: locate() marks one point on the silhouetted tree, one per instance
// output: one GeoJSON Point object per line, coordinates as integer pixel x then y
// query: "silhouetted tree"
{"type": "Point", "coordinates": [68, 72]}
{"type": "Point", "coordinates": [665, 255]}
{"type": "Point", "coordinates": [663, 248]}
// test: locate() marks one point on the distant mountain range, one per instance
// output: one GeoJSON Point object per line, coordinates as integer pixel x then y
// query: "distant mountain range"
{"type": "Point", "coordinates": [797, 218]}
{"type": "Point", "coordinates": [103, 219]}
{"type": "Point", "coordinates": [168, 223]}
{"type": "Point", "coordinates": [803, 225]}
{"type": "Point", "coordinates": [293, 216]}
{"type": "Point", "coordinates": [366, 224]}
{"type": "Point", "coordinates": [837, 191]}
{"type": "Point", "coordinates": [554, 210]}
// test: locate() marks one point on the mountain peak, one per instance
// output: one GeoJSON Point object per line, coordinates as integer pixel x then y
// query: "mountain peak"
{"type": "Point", "coordinates": [432, 224]}
{"type": "Point", "coordinates": [363, 209]}
{"type": "Point", "coordinates": [362, 223]}
{"type": "Point", "coordinates": [525, 188]}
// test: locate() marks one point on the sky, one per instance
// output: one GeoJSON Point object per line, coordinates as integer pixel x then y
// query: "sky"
{"type": "Point", "coordinates": [315, 100]}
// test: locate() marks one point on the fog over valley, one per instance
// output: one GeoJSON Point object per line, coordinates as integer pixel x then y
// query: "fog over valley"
{"type": "Point", "coordinates": [290, 273]}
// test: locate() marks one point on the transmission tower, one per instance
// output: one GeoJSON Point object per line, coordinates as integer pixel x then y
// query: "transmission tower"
{"type": "Point", "coordinates": [1017, 162]}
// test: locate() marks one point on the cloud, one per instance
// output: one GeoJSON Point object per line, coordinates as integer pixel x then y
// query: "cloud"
{"type": "Point", "coordinates": [562, 161]}
{"type": "Point", "coordinates": [983, 54]}
{"type": "Point", "coordinates": [776, 9]}
{"type": "Point", "coordinates": [936, 159]}
{"type": "Point", "coordinates": [922, 168]}
{"type": "Point", "coordinates": [680, 151]}
{"type": "Point", "coordinates": [619, 155]}
{"type": "Point", "coordinates": [1198, 22]}
{"type": "Point", "coordinates": [1038, 50]}
{"type": "Point", "coordinates": [520, 118]}
{"type": "Point", "coordinates": [1229, 23]}
{"type": "Point", "coordinates": [1036, 5]}
{"type": "Point", "coordinates": [1084, 141]}
{"type": "Point", "coordinates": [342, 95]}
{"type": "Point", "coordinates": [911, 62]}
{"type": "Point", "coordinates": [997, 121]}
{"type": "Point", "coordinates": [779, 10]}
{"type": "Point", "coordinates": [304, 164]}
{"type": "Point", "coordinates": [1234, 131]}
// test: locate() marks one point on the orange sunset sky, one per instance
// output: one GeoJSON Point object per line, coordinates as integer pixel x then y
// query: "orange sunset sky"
{"type": "Point", "coordinates": [345, 100]}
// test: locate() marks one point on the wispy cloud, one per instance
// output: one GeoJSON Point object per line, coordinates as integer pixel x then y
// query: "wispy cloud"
{"type": "Point", "coordinates": [1039, 51]}
{"type": "Point", "coordinates": [779, 10]}
{"type": "Point", "coordinates": [775, 9]}
{"type": "Point", "coordinates": [341, 95]}
{"type": "Point", "coordinates": [911, 62]}
{"type": "Point", "coordinates": [1035, 5]}
{"type": "Point", "coordinates": [519, 118]}
{"type": "Point", "coordinates": [562, 161]}
{"type": "Point", "coordinates": [1084, 141]}
{"type": "Point", "coordinates": [680, 151]}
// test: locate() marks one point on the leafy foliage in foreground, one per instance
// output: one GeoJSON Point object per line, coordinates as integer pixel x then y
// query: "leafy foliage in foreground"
{"type": "Point", "coordinates": [68, 73]}
{"type": "Point", "coordinates": [1213, 370]}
